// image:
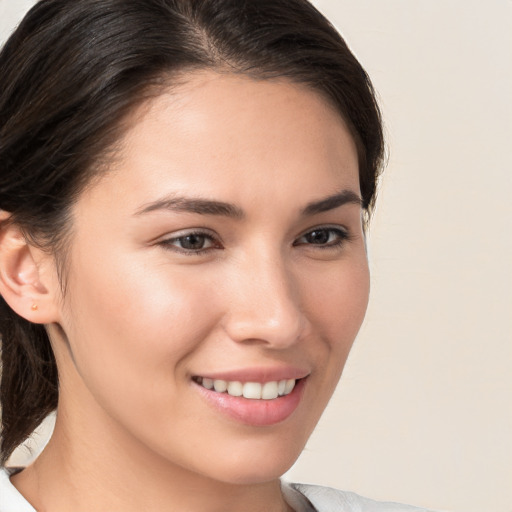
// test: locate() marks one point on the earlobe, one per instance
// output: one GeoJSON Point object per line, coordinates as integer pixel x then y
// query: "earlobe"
{"type": "Point", "coordinates": [23, 283]}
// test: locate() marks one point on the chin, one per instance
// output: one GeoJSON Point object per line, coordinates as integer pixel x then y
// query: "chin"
{"type": "Point", "coordinates": [263, 464]}
{"type": "Point", "coordinates": [253, 474]}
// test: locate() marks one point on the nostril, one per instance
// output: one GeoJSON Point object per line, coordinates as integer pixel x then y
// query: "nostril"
{"type": "Point", "coordinates": [260, 331]}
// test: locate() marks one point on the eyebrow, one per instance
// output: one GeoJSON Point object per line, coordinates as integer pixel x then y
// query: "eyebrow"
{"type": "Point", "coordinates": [332, 202]}
{"type": "Point", "coordinates": [194, 205]}
{"type": "Point", "coordinates": [220, 208]}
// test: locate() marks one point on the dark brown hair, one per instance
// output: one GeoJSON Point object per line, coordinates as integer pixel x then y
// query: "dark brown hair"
{"type": "Point", "coordinates": [71, 73]}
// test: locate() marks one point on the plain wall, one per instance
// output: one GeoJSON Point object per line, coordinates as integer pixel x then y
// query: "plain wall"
{"type": "Point", "coordinates": [423, 414]}
{"type": "Point", "coordinates": [424, 411]}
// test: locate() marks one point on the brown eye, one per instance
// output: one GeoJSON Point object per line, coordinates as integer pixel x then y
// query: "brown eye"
{"type": "Point", "coordinates": [320, 236]}
{"type": "Point", "coordinates": [323, 237]}
{"type": "Point", "coordinates": [191, 243]}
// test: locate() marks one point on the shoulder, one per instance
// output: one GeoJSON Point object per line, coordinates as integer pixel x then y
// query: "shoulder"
{"type": "Point", "coordinates": [10, 499]}
{"type": "Point", "coordinates": [326, 499]}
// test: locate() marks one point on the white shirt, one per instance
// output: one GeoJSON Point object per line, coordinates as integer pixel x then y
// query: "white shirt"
{"type": "Point", "coordinates": [301, 497]}
{"type": "Point", "coordinates": [315, 498]}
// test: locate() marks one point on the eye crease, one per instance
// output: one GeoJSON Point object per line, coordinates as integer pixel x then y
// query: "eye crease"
{"type": "Point", "coordinates": [194, 242]}
{"type": "Point", "coordinates": [323, 237]}
{"type": "Point", "coordinates": [198, 242]}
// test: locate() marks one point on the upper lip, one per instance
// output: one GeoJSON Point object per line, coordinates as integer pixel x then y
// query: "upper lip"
{"type": "Point", "coordinates": [257, 374]}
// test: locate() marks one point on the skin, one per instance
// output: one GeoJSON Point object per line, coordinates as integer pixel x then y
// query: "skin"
{"type": "Point", "coordinates": [142, 315]}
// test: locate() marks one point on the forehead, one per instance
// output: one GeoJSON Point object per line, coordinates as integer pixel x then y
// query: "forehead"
{"type": "Point", "coordinates": [240, 132]}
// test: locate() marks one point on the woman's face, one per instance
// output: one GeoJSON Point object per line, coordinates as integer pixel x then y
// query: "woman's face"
{"type": "Point", "coordinates": [224, 245]}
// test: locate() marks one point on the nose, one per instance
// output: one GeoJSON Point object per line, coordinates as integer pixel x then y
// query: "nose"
{"type": "Point", "coordinates": [264, 304]}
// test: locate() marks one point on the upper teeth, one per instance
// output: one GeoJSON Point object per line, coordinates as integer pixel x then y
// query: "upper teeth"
{"type": "Point", "coordinates": [253, 390]}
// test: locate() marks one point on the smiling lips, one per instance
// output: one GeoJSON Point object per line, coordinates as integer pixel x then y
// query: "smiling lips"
{"type": "Point", "coordinates": [251, 390]}
{"type": "Point", "coordinates": [253, 403]}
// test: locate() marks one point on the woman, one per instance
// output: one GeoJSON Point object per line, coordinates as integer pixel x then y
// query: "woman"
{"type": "Point", "coordinates": [184, 192]}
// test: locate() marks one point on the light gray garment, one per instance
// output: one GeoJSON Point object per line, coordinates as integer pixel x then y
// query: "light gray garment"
{"type": "Point", "coordinates": [10, 499]}
{"type": "Point", "coordinates": [315, 498]}
{"type": "Point", "coordinates": [301, 497]}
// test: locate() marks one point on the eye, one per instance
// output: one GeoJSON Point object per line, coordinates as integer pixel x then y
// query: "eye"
{"type": "Point", "coordinates": [191, 243]}
{"type": "Point", "coordinates": [323, 237]}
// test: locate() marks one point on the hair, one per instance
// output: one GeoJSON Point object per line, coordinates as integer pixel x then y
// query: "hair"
{"type": "Point", "coordinates": [73, 71]}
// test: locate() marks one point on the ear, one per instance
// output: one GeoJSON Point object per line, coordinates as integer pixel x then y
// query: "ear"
{"type": "Point", "coordinates": [28, 280]}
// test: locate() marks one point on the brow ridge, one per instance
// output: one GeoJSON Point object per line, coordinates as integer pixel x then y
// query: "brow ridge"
{"type": "Point", "coordinates": [212, 207]}
{"type": "Point", "coordinates": [193, 205]}
{"type": "Point", "coordinates": [332, 202]}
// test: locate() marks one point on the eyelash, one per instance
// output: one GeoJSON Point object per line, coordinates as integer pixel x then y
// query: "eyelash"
{"type": "Point", "coordinates": [341, 236]}
{"type": "Point", "coordinates": [169, 243]}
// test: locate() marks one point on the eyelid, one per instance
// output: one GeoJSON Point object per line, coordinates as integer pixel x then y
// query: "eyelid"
{"type": "Point", "coordinates": [168, 240]}
{"type": "Point", "coordinates": [344, 235]}
{"type": "Point", "coordinates": [189, 231]}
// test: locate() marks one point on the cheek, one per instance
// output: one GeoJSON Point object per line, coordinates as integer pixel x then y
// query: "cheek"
{"type": "Point", "coordinates": [133, 328]}
{"type": "Point", "coordinates": [136, 305]}
{"type": "Point", "coordinates": [338, 302]}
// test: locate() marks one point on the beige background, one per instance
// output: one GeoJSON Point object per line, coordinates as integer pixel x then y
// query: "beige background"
{"type": "Point", "coordinates": [424, 412]}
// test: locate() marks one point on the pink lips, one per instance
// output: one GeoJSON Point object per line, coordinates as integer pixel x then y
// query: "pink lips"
{"type": "Point", "coordinates": [256, 412]}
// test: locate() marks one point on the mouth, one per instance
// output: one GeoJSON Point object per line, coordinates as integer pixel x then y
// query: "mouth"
{"type": "Point", "coordinates": [258, 404]}
{"type": "Point", "coordinates": [251, 390]}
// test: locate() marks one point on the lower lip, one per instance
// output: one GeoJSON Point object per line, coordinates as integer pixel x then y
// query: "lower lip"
{"type": "Point", "coordinates": [258, 413]}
